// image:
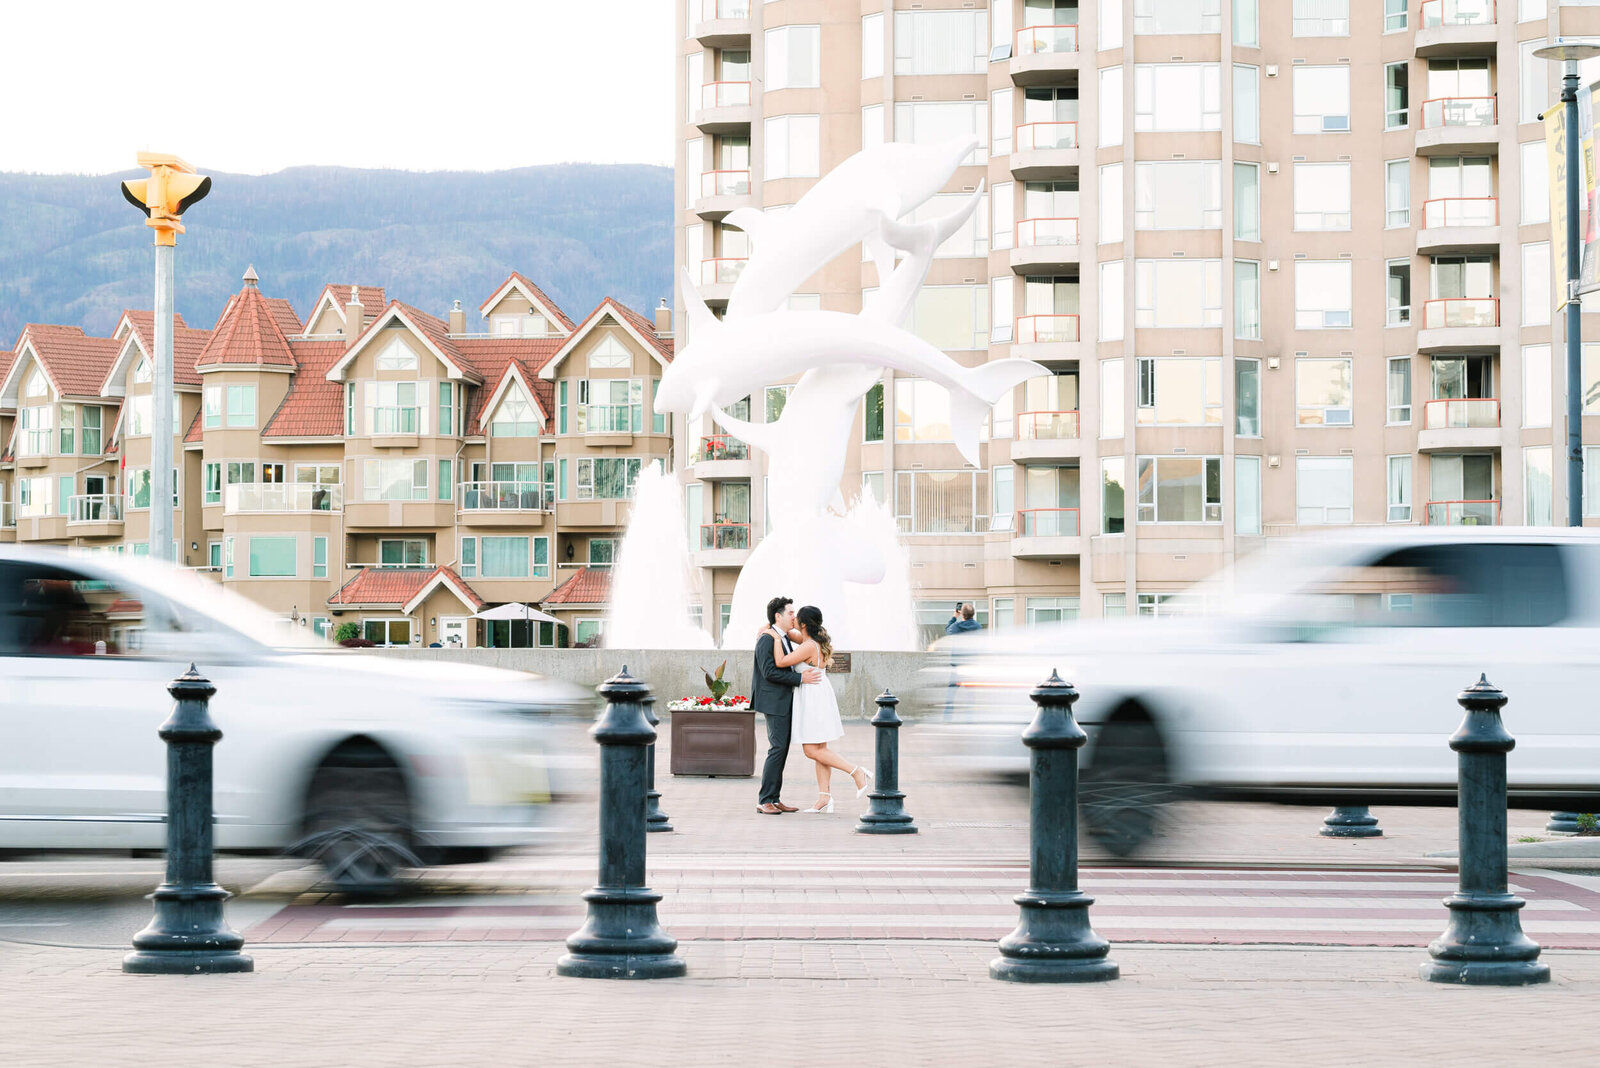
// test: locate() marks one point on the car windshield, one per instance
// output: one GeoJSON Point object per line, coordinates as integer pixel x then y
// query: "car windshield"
{"type": "Point", "coordinates": [193, 599]}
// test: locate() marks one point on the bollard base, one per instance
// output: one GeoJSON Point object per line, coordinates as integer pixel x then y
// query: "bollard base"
{"type": "Point", "coordinates": [606, 966]}
{"type": "Point", "coordinates": [1486, 973]}
{"type": "Point", "coordinates": [654, 824]}
{"type": "Point", "coordinates": [1009, 970]}
{"type": "Point", "coordinates": [1354, 821]}
{"type": "Point", "coordinates": [886, 828]}
{"type": "Point", "coordinates": [186, 962]}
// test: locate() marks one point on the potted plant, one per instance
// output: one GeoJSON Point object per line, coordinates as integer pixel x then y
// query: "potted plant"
{"type": "Point", "coordinates": [714, 734]}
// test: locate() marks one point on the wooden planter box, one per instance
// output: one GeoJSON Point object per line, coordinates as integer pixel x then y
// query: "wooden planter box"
{"type": "Point", "coordinates": [713, 742]}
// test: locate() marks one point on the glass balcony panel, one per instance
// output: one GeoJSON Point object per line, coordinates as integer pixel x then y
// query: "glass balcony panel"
{"type": "Point", "coordinates": [725, 184]}
{"type": "Point", "coordinates": [1047, 40]}
{"type": "Point", "coordinates": [1049, 522]}
{"type": "Point", "coordinates": [1033, 233]}
{"type": "Point", "coordinates": [1438, 13]}
{"type": "Point", "coordinates": [725, 95]}
{"type": "Point", "coordinates": [1047, 426]}
{"type": "Point", "coordinates": [283, 497]}
{"type": "Point", "coordinates": [1445, 312]}
{"type": "Point", "coordinates": [722, 271]}
{"type": "Point", "coordinates": [723, 447]}
{"type": "Point", "coordinates": [1046, 328]}
{"type": "Point", "coordinates": [1461, 211]}
{"type": "Point", "coordinates": [1458, 413]}
{"type": "Point", "coordinates": [501, 496]}
{"type": "Point", "coordinates": [1046, 135]}
{"type": "Point", "coordinates": [725, 536]}
{"type": "Point", "coordinates": [1464, 513]}
{"type": "Point", "coordinates": [1458, 111]}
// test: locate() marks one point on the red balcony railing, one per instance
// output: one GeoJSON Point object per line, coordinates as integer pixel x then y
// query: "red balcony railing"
{"type": "Point", "coordinates": [1032, 233]}
{"type": "Point", "coordinates": [1048, 522]}
{"type": "Point", "coordinates": [722, 447]}
{"type": "Point", "coordinates": [724, 270]}
{"type": "Point", "coordinates": [724, 9]}
{"type": "Point", "coordinates": [1043, 329]}
{"type": "Point", "coordinates": [1461, 413]}
{"type": "Point", "coordinates": [725, 535]}
{"type": "Point", "coordinates": [725, 184]}
{"type": "Point", "coordinates": [1459, 111]}
{"type": "Point", "coordinates": [1460, 311]}
{"type": "Point", "coordinates": [1464, 513]}
{"type": "Point", "coordinates": [1044, 40]}
{"type": "Point", "coordinates": [1046, 135]}
{"type": "Point", "coordinates": [1047, 426]}
{"type": "Point", "coordinates": [1437, 13]}
{"type": "Point", "coordinates": [725, 95]}
{"type": "Point", "coordinates": [1461, 211]}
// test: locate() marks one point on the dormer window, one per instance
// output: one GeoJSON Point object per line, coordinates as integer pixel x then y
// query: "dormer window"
{"type": "Point", "coordinates": [37, 385]}
{"type": "Point", "coordinates": [516, 417]}
{"type": "Point", "coordinates": [141, 373]}
{"type": "Point", "coordinates": [610, 355]}
{"type": "Point", "coordinates": [397, 356]}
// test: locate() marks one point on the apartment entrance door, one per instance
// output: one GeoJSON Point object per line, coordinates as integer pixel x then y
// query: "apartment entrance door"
{"type": "Point", "coordinates": [453, 631]}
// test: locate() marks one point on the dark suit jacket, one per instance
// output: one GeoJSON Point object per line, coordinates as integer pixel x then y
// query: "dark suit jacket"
{"type": "Point", "coordinates": [771, 687]}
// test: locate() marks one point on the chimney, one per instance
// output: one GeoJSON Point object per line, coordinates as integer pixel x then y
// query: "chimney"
{"type": "Point", "coordinates": [458, 319]}
{"type": "Point", "coordinates": [354, 316]}
{"type": "Point", "coordinates": [663, 318]}
{"type": "Point", "coordinates": [250, 277]}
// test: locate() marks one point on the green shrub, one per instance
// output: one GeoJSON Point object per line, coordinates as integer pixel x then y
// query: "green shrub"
{"type": "Point", "coordinates": [347, 631]}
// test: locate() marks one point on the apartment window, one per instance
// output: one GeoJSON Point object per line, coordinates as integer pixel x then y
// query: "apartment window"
{"type": "Point", "coordinates": [792, 147]}
{"type": "Point", "coordinates": [1245, 31]}
{"type": "Point", "coordinates": [1247, 299]}
{"type": "Point", "coordinates": [1396, 91]}
{"type": "Point", "coordinates": [610, 355]}
{"type": "Point", "coordinates": [1247, 495]}
{"type": "Point", "coordinates": [776, 398]}
{"type": "Point", "coordinates": [607, 477]}
{"type": "Point", "coordinates": [792, 57]}
{"type": "Point", "coordinates": [1177, 97]}
{"type": "Point", "coordinates": [402, 552]}
{"type": "Point", "coordinates": [922, 411]}
{"type": "Point", "coordinates": [1534, 93]}
{"type": "Point", "coordinates": [89, 443]}
{"type": "Point", "coordinates": [214, 555]}
{"type": "Point", "coordinates": [1321, 100]}
{"type": "Point", "coordinates": [212, 484]}
{"type": "Point", "coordinates": [395, 480]}
{"type": "Point", "coordinates": [469, 557]}
{"type": "Point", "coordinates": [934, 122]}
{"type": "Point", "coordinates": [1180, 489]}
{"type": "Point", "coordinates": [872, 414]}
{"type": "Point", "coordinates": [240, 472]}
{"type": "Point", "coordinates": [1111, 292]}
{"type": "Point", "coordinates": [1184, 195]}
{"type": "Point", "coordinates": [941, 502]}
{"type": "Point", "coordinates": [1178, 293]}
{"type": "Point", "coordinates": [1399, 489]}
{"type": "Point", "coordinates": [1462, 276]}
{"type": "Point", "coordinates": [1397, 292]}
{"type": "Point", "coordinates": [1537, 296]}
{"type": "Point", "coordinates": [1538, 485]}
{"type": "Point", "coordinates": [515, 416]}
{"type": "Point", "coordinates": [1246, 105]}
{"type": "Point", "coordinates": [1247, 201]}
{"type": "Point", "coordinates": [872, 46]}
{"type": "Point", "coordinates": [227, 558]}
{"type": "Point", "coordinates": [951, 317]}
{"type": "Point", "coordinates": [1322, 196]}
{"type": "Point", "coordinates": [1179, 391]}
{"type": "Point", "coordinates": [1040, 611]}
{"type": "Point", "coordinates": [1322, 392]}
{"type": "Point", "coordinates": [1152, 17]}
{"type": "Point", "coordinates": [1001, 478]}
{"type": "Point", "coordinates": [1394, 15]}
{"type": "Point", "coordinates": [63, 494]}
{"type": "Point", "coordinates": [1322, 294]}
{"type": "Point", "coordinates": [602, 552]}
{"type": "Point", "coordinates": [1110, 106]}
{"type": "Point", "coordinates": [940, 42]}
{"type": "Point", "coordinates": [1111, 398]}
{"type": "Point", "coordinates": [241, 406]}
{"type": "Point", "coordinates": [349, 409]}
{"type": "Point", "coordinates": [1530, 9]}
{"type": "Point", "coordinates": [1002, 616]}
{"type": "Point", "coordinates": [273, 557]}
{"type": "Point", "coordinates": [1001, 119]}
{"type": "Point", "coordinates": [694, 155]}
{"type": "Point", "coordinates": [319, 557]}
{"type": "Point", "coordinates": [396, 356]}
{"type": "Point", "coordinates": [68, 429]}
{"type": "Point", "coordinates": [1324, 490]}
{"type": "Point", "coordinates": [1537, 399]}
{"type": "Point", "coordinates": [1399, 387]}
{"type": "Point", "coordinates": [872, 489]}
{"type": "Point", "coordinates": [541, 557]}
{"type": "Point", "coordinates": [1397, 193]}
{"type": "Point", "coordinates": [139, 487]}
{"type": "Point", "coordinates": [1535, 182]}
{"type": "Point", "coordinates": [391, 408]}
{"type": "Point", "coordinates": [1247, 397]}
{"type": "Point", "coordinates": [447, 408]}
{"type": "Point", "coordinates": [503, 557]}
{"type": "Point", "coordinates": [1115, 605]}
{"type": "Point", "coordinates": [1321, 18]}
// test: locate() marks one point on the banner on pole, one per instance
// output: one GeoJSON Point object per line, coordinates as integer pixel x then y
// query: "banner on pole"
{"type": "Point", "coordinates": [1589, 275]}
{"type": "Point", "coordinates": [1555, 142]}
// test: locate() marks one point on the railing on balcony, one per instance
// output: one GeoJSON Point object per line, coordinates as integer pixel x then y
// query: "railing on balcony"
{"type": "Point", "coordinates": [724, 270]}
{"type": "Point", "coordinates": [283, 497]}
{"type": "Point", "coordinates": [725, 95]}
{"type": "Point", "coordinates": [722, 447]}
{"type": "Point", "coordinates": [1043, 329]}
{"type": "Point", "coordinates": [1437, 13]}
{"type": "Point", "coordinates": [1045, 135]}
{"type": "Point", "coordinates": [1460, 311]}
{"type": "Point", "coordinates": [725, 184]}
{"type": "Point", "coordinates": [94, 508]}
{"type": "Point", "coordinates": [1048, 522]}
{"type": "Point", "coordinates": [1459, 111]}
{"type": "Point", "coordinates": [1461, 413]}
{"type": "Point", "coordinates": [1037, 233]}
{"type": "Point", "coordinates": [1464, 513]}
{"type": "Point", "coordinates": [1046, 40]}
{"type": "Point", "coordinates": [608, 419]}
{"type": "Point", "coordinates": [395, 420]}
{"type": "Point", "coordinates": [724, 9]}
{"type": "Point", "coordinates": [1461, 211]}
{"type": "Point", "coordinates": [1047, 426]}
{"type": "Point", "coordinates": [725, 536]}
{"type": "Point", "coordinates": [501, 497]}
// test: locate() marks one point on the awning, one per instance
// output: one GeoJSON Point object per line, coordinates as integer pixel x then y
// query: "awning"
{"type": "Point", "coordinates": [516, 611]}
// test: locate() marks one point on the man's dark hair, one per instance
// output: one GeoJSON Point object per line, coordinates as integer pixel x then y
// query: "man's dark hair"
{"type": "Point", "coordinates": [967, 611]}
{"type": "Point", "coordinates": [775, 606]}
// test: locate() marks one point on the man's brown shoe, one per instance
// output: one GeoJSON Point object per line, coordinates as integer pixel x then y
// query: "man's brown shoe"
{"type": "Point", "coordinates": [786, 808]}
{"type": "Point", "coordinates": [770, 809]}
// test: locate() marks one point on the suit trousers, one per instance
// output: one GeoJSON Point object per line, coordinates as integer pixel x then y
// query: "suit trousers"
{"type": "Point", "coordinates": [777, 756]}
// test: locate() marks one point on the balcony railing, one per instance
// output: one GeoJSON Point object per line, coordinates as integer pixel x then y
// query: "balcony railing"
{"type": "Point", "coordinates": [1046, 40]}
{"type": "Point", "coordinates": [1445, 312]}
{"type": "Point", "coordinates": [501, 497]}
{"type": "Point", "coordinates": [722, 271]}
{"type": "Point", "coordinates": [94, 508]}
{"type": "Point", "coordinates": [1461, 211]}
{"type": "Point", "coordinates": [283, 497]}
{"type": "Point", "coordinates": [1461, 413]}
{"type": "Point", "coordinates": [1044, 135]}
{"type": "Point", "coordinates": [1048, 522]}
{"type": "Point", "coordinates": [725, 95]}
{"type": "Point", "coordinates": [395, 420]}
{"type": "Point", "coordinates": [725, 184]}
{"type": "Point", "coordinates": [1043, 329]}
{"type": "Point", "coordinates": [724, 9]}
{"type": "Point", "coordinates": [1437, 13]}
{"type": "Point", "coordinates": [722, 447]}
{"type": "Point", "coordinates": [1047, 426]}
{"type": "Point", "coordinates": [1035, 233]}
{"type": "Point", "coordinates": [725, 536]}
{"type": "Point", "coordinates": [1464, 513]}
{"type": "Point", "coordinates": [1459, 111]}
{"type": "Point", "coordinates": [608, 419]}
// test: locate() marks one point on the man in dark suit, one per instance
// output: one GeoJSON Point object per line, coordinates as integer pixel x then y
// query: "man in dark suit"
{"type": "Point", "coordinates": [772, 694]}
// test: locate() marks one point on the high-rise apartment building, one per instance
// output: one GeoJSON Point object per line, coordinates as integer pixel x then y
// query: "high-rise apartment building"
{"type": "Point", "coordinates": [1288, 262]}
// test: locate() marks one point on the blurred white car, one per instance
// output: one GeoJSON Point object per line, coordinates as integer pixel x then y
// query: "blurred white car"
{"type": "Point", "coordinates": [1324, 671]}
{"type": "Point", "coordinates": [366, 763]}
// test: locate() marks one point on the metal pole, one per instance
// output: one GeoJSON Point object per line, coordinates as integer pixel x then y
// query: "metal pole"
{"type": "Point", "coordinates": [161, 393]}
{"type": "Point", "coordinates": [1569, 98]}
{"type": "Point", "coordinates": [886, 813]}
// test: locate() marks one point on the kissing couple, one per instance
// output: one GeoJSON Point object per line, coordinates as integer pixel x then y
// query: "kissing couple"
{"type": "Point", "coordinates": [799, 705]}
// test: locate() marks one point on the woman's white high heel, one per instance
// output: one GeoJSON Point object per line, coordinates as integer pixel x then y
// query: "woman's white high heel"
{"type": "Point", "coordinates": [868, 784]}
{"type": "Point", "coordinates": [825, 808]}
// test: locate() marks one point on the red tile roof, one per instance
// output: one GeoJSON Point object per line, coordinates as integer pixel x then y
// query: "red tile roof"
{"type": "Point", "coordinates": [371, 297]}
{"type": "Point", "coordinates": [187, 343]}
{"type": "Point", "coordinates": [252, 331]}
{"type": "Point", "coordinates": [76, 363]}
{"type": "Point", "coordinates": [398, 585]}
{"type": "Point", "coordinates": [313, 407]}
{"type": "Point", "coordinates": [591, 585]}
{"type": "Point", "coordinates": [645, 326]}
{"type": "Point", "coordinates": [493, 355]}
{"type": "Point", "coordinates": [539, 294]}
{"type": "Point", "coordinates": [284, 313]}
{"type": "Point", "coordinates": [195, 432]}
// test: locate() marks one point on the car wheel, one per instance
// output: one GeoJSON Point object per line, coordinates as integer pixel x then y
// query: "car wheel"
{"type": "Point", "coordinates": [1127, 787]}
{"type": "Point", "coordinates": [358, 822]}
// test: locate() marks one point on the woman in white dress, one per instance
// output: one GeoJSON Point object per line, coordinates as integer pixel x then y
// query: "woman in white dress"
{"type": "Point", "coordinates": [816, 710]}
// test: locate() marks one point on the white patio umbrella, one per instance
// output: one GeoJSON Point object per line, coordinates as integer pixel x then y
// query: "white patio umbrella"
{"type": "Point", "coordinates": [516, 611]}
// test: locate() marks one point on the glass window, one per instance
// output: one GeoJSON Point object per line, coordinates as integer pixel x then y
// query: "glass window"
{"type": "Point", "coordinates": [1244, 24]}
{"type": "Point", "coordinates": [1397, 193]}
{"type": "Point", "coordinates": [1111, 309]}
{"type": "Point", "coordinates": [1538, 485]}
{"type": "Point", "coordinates": [515, 416]}
{"type": "Point", "coordinates": [503, 557]}
{"type": "Point", "coordinates": [1110, 106]}
{"type": "Point", "coordinates": [1591, 480]}
{"type": "Point", "coordinates": [1151, 17]}
{"type": "Point", "coordinates": [1322, 392]}
{"type": "Point", "coordinates": [1115, 605]}
{"type": "Point", "coordinates": [792, 57]}
{"type": "Point", "coordinates": [396, 356]}
{"type": "Point", "coordinates": [1043, 610]}
{"type": "Point", "coordinates": [1246, 104]}
{"type": "Point", "coordinates": [872, 414]}
{"type": "Point", "coordinates": [402, 552]}
{"type": "Point", "coordinates": [1321, 18]}
{"type": "Point", "coordinates": [872, 45]}
{"type": "Point", "coordinates": [1324, 490]}
{"type": "Point", "coordinates": [1111, 398]}
{"type": "Point", "coordinates": [932, 122]}
{"type": "Point", "coordinates": [1538, 298]}
{"type": "Point", "coordinates": [90, 443]}
{"type": "Point", "coordinates": [1397, 292]}
{"type": "Point", "coordinates": [776, 398]}
{"type": "Point", "coordinates": [1001, 119]}
{"type": "Point", "coordinates": [942, 502]}
{"type": "Point", "coordinates": [272, 557]}
{"type": "Point", "coordinates": [922, 411]}
{"type": "Point", "coordinates": [1000, 478]}
{"type": "Point", "coordinates": [69, 429]}
{"type": "Point", "coordinates": [1322, 196]}
{"type": "Point", "coordinates": [541, 557]}
{"type": "Point", "coordinates": [1537, 398]}
{"type": "Point", "coordinates": [319, 557]}
{"type": "Point", "coordinates": [1394, 15]}
{"type": "Point", "coordinates": [1110, 203]}
{"type": "Point", "coordinates": [1534, 94]}
{"type": "Point", "coordinates": [1177, 97]}
{"type": "Point", "coordinates": [469, 557]}
{"type": "Point", "coordinates": [1110, 24]}
{"type": "Point", "coordinates": [1002, 615]}
{"type": "Point", "coordinates": [1247, 201]}
{"type": "Point", "coordinates": [1178, 293]}
{"type": "Point", "coordinates": [227, 557]}
{"type": "Point", "coordinates": [951, 317]}
{"type": "Point", "coordinates": [1321, 100]}
{"type": "Point", "coordinates": [607, 477]}
{"type": "Point", "coordinates": [212, 484]}
{"type": "Point", "coordinates": [1247, 397]}
{"type": "Point", "coordinates": [1180, 489]}
{"type": "Point", "coordinates": [241, 409]}
{"type": "Point", "coordinates": [938, 42]}
{"type": "Point", "coordinates": [1399, 489]}
{"type": "Point", "coordinates": [395, 480]}
{"type": "Point", "coordinates": [1535, 182]}
{"type": "Point", "coordinates": [1247, 495]}
{"type": "Point", "coordinates": [793, 146]}
{"type": "Point", "coordinates": [1322, 294]}
{"type": "Point", "coordinates": [1396, 90]}
{"type": "Point", "coordinates": [1003, 205]}
{"type": "Point", "coordinates": [1247, 299]}
{"type": "Point", "coordinates": [1399, 390]}
{"type": "Point", "coordinates": [1180, 195]}
{"type": "Point", "coordinates": [1179, 391]}
{"type": "Point", "coordinates": [1111, 495]}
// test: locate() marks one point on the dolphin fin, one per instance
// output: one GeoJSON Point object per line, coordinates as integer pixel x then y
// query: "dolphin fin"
{"type": "Point", "coordinates": [753, 221]}
{"type": "Point", "coordinates": [700, 317]}
{"type": "Point", "coordinates": [982, 388]}
{"type": "Point", "coordinates": [765, 436]}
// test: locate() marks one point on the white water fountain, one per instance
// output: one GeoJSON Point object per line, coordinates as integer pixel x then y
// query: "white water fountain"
{"type": "Point", "coordinates": [651, 588]}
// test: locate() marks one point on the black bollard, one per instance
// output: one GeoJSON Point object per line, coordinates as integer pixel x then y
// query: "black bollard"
{"type": "Point", "coordinates": [1351, 821]}
{"type": "Point", "coordinates": [654, 818]}
{"type": "Point", "coordinates": [188, 935]}
{"type": "Point", "coordinates": [886, 813]}
{"type": "Point", "coordinates": [1483, 944]}
{"type": "Point", "coordinates": [1053, 942]}
{"type": "Point", "coordinates": [621, 939]}
{"type": "Point", "coordinates": [1562, 823]}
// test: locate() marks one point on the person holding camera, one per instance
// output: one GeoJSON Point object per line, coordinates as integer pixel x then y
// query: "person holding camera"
{"type": "Point", "coordinates": [963, 622]}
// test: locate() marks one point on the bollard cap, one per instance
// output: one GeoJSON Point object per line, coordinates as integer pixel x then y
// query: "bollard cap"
{"type": "Point", "coordinates": [1482, 730]}
{"type": "Point", "coordinates": [887, 716]}
{"type": "Point", "coordinates": [191, 686]}
{"type": "Point", "coordinates": [1053, 726]}
{"type": "Point", "coordinates": [191, 711]}
{"type": "Point", "coordinates": [624, 721]}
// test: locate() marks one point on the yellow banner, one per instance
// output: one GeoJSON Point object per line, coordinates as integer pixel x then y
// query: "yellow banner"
{"type": "Point", "coordinates": [1555, 142]}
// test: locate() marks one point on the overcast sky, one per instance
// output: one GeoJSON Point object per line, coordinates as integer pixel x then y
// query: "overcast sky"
{"type": "Point", "coordinates": [257, 86]}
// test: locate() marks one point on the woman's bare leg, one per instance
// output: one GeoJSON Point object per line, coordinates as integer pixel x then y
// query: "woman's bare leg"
{"type": "Point", "coordinates": [826, 757]}
{"type": "Point", "coordinates": [824, 777]}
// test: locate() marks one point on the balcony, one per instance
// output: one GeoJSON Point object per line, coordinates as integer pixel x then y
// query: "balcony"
{"type": "Point", "coordinates": [1046, 337]}
{"type": "Point", "coordinates": [1046, 436]}
{"type": "Point", "coordinates": [385, 515]}
{"type": "Point", "coordinates": [1463, 513]}
{"type": "Point", "coordinates": [1459, 324]}
{"type": "Point", "coordinates": [256, 497]}
{"type": "Point", "coordinates": [721, 192]}
{"type": "Point", "coordinates": [723, 545]}
{"type": "Point", "coordinates": [1455, 124]}
{"type": "Point", "coordinates": [1046, 533]}
{"type": "Point", "coordinates": [1459, 224]}
{"type": "Point", "coordinates": [1045, 246]}
{"type": "Point", "coordinates": [724, 107]}
{"type": "Point", "coordinates": [722, 456]}
{"type": "Point", "coordinates": [1460, 423]}
{"type": "Point", "coordinates": [1456, 28]}
{"type": "Point", "coordinates": [1045, 150]}
{"type": "Point", "coordinates": [501, 504]}
{"type": "Point", "coordinates": [1043, 55]}
{"type": "Point", "coordinates": [722, 23]}
{"type": "Point", "coordinates": [717, 277]}
{"type": "Point", "coordinates": [95, 514]}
